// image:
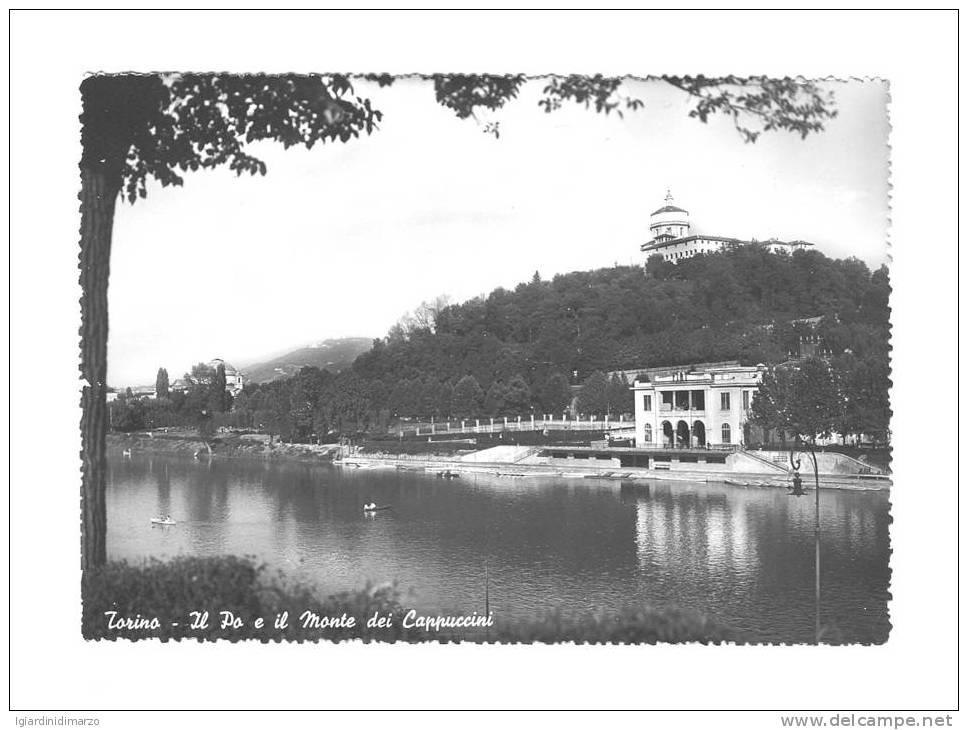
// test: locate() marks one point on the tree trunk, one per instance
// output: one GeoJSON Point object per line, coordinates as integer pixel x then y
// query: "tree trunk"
{"type": "Point", "coordinates": [98, 197]}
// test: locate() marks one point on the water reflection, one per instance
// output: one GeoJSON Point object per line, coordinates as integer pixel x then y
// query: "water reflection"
{"type": "Point", "coordinates": [745, 556]}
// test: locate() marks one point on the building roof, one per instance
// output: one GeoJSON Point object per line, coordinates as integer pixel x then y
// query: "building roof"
{"type": "Point", "coordinates": [656, 243]}
{"type": "Point", "coordinates": [660, 241]}
{"type": "Point", "coordinates": [685, 375]}
{"type": "Point", "coordinates": [670, 209]}
{"type": "Point", "coordinates": [651, 372]}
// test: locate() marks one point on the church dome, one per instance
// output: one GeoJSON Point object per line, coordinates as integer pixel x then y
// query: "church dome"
{"type": "Point", "coordinates": [670, 209]}
{"type": "Point", "coordinates": [669, 221]}
{"type": "Point", "coordinates": [229, 369]}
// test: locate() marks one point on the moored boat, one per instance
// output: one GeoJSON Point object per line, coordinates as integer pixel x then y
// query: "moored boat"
{"type": "Point", "coordinates": [375, 508]}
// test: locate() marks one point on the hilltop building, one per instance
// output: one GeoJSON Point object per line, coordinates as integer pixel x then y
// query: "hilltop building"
{"type": "Point", "coordinates": [696, 406]}
{"type": "Point", "coordinates": [673, 240]}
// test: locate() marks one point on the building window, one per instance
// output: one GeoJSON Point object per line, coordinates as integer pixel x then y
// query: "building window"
{"type": "Point", "coordinates": [647, 402]}
{"type": "Point", "coordinates": [726, 433]}
{"type": "Point", "coordinates": [724, 401]}
{"type": "Point", "coordinates": [647, 433]}
{"type": "Point", "coordinates": [746, 400]}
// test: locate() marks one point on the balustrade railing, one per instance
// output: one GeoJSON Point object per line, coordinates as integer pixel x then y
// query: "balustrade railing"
{"type": "Point", "coordinates": [496, 425]}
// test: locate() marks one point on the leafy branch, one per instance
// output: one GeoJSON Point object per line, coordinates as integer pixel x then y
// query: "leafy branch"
{"type": "Point", "coordinates": [759, 104]}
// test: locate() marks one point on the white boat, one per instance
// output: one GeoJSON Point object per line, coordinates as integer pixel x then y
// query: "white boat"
{"type": "Point", "coordinates": [162, 521]}
{"type": "Point", "coordinates": [355, 464]}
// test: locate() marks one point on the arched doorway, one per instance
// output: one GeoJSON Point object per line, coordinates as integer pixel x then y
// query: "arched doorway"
{"type": "Point", "coordinates": [682, 434]}
{"type": "Point", "coordinates": [699, 433]}
{"type": "Point", "coordinates": [668, 438]}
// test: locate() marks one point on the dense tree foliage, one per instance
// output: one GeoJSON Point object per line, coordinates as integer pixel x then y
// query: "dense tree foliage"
{"type": "Point", "coordinates": [740, 304]}
{"type": "Point", "coordinates": [197, 404]}
{"type": "Point", "coordinates": [801, 399]}
{"type": "Point", "coordinates": [161, 384]}
{"type": "Point", "coordinates": [217, 397]}
{"type": "Point", "coordinates": [520, 352]}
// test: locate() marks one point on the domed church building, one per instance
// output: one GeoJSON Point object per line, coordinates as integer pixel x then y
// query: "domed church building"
{"type": "Point", "coordinates": [674, 241]}
{"type": "Point", "coordinates": [233, 377]}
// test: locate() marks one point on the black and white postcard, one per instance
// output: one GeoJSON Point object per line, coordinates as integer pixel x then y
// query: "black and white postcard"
{"type": "Point", "coordinates": [490, 357]}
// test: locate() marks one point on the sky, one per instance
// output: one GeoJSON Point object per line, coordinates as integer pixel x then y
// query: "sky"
{"type": "Point", "coordinates": [343, 240]}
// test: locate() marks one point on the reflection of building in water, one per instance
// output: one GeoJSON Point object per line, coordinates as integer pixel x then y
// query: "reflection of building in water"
{"type": "Point", "coordinates": [650, 532]}
{"type": "Point", "coordinates": [717, 538]}
{"type": "Point", "coordinates": [743, 553]}
{"type": "Point", "coordinates": [709, 533]}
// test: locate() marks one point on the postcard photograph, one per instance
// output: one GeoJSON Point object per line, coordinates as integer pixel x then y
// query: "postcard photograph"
{"type": "Point", "coordinates": [485, 358]}
{"type": "Point", "coordinates": [410, 360]}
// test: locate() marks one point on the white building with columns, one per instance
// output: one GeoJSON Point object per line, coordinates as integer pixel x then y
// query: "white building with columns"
{"type": "Point", "coordinates": [705, 405]}
{"type": "Point", "coordinates": [673, 240]}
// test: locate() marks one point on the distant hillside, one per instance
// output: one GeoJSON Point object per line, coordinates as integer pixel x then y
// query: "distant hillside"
{"type": "Point", "coordinates": [332, 355]}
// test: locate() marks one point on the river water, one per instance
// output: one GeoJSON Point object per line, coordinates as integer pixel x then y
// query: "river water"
{"type": "Point", "coordinates": [744, 556]}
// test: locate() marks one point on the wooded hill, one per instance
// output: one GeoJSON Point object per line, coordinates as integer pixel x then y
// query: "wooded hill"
{"type": "Point", "coordinates": [740, 304]}
{"type": "Point", "coordinates": [517, 352]}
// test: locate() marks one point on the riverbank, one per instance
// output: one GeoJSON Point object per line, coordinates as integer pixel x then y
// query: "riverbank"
{"type": "Point", "coordinates": [255, 446]}
{"type": "Point", "coordinates": [529, 466]}
{"type": "Point", "coordinates": [746, 469]}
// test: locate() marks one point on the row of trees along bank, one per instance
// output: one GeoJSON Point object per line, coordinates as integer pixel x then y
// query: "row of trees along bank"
{"type": "Point", "coordinates": [314, 402]}
{"type": "Point", "coordinates": [203, 405]}
{"type": "Point", "coordinates": [811, 399]}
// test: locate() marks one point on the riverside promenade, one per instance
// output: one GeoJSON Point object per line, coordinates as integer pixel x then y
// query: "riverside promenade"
{"type": "Point", "coordinates": [619, 425]}
{"type": "Point", "coordinates": [740, 468]}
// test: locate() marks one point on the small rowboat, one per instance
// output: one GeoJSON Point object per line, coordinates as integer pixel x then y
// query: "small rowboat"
{"type": "Point", "coordinates": [162, 521]}
{"type": "Point", "coordinates": [377, 509]}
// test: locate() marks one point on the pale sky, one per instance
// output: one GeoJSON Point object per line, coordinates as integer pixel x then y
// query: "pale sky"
{"type": "Point", "coordinates": [342, 240]}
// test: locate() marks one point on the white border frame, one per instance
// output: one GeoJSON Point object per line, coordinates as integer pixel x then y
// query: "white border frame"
{"type": "Point", "coordinates": [53, 669]}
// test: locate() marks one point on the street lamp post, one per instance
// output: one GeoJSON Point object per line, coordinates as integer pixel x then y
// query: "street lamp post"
{"type": "Point", "coordinates": [797, 491]}
{"type": "Point", "coordinates": [816, 559]}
